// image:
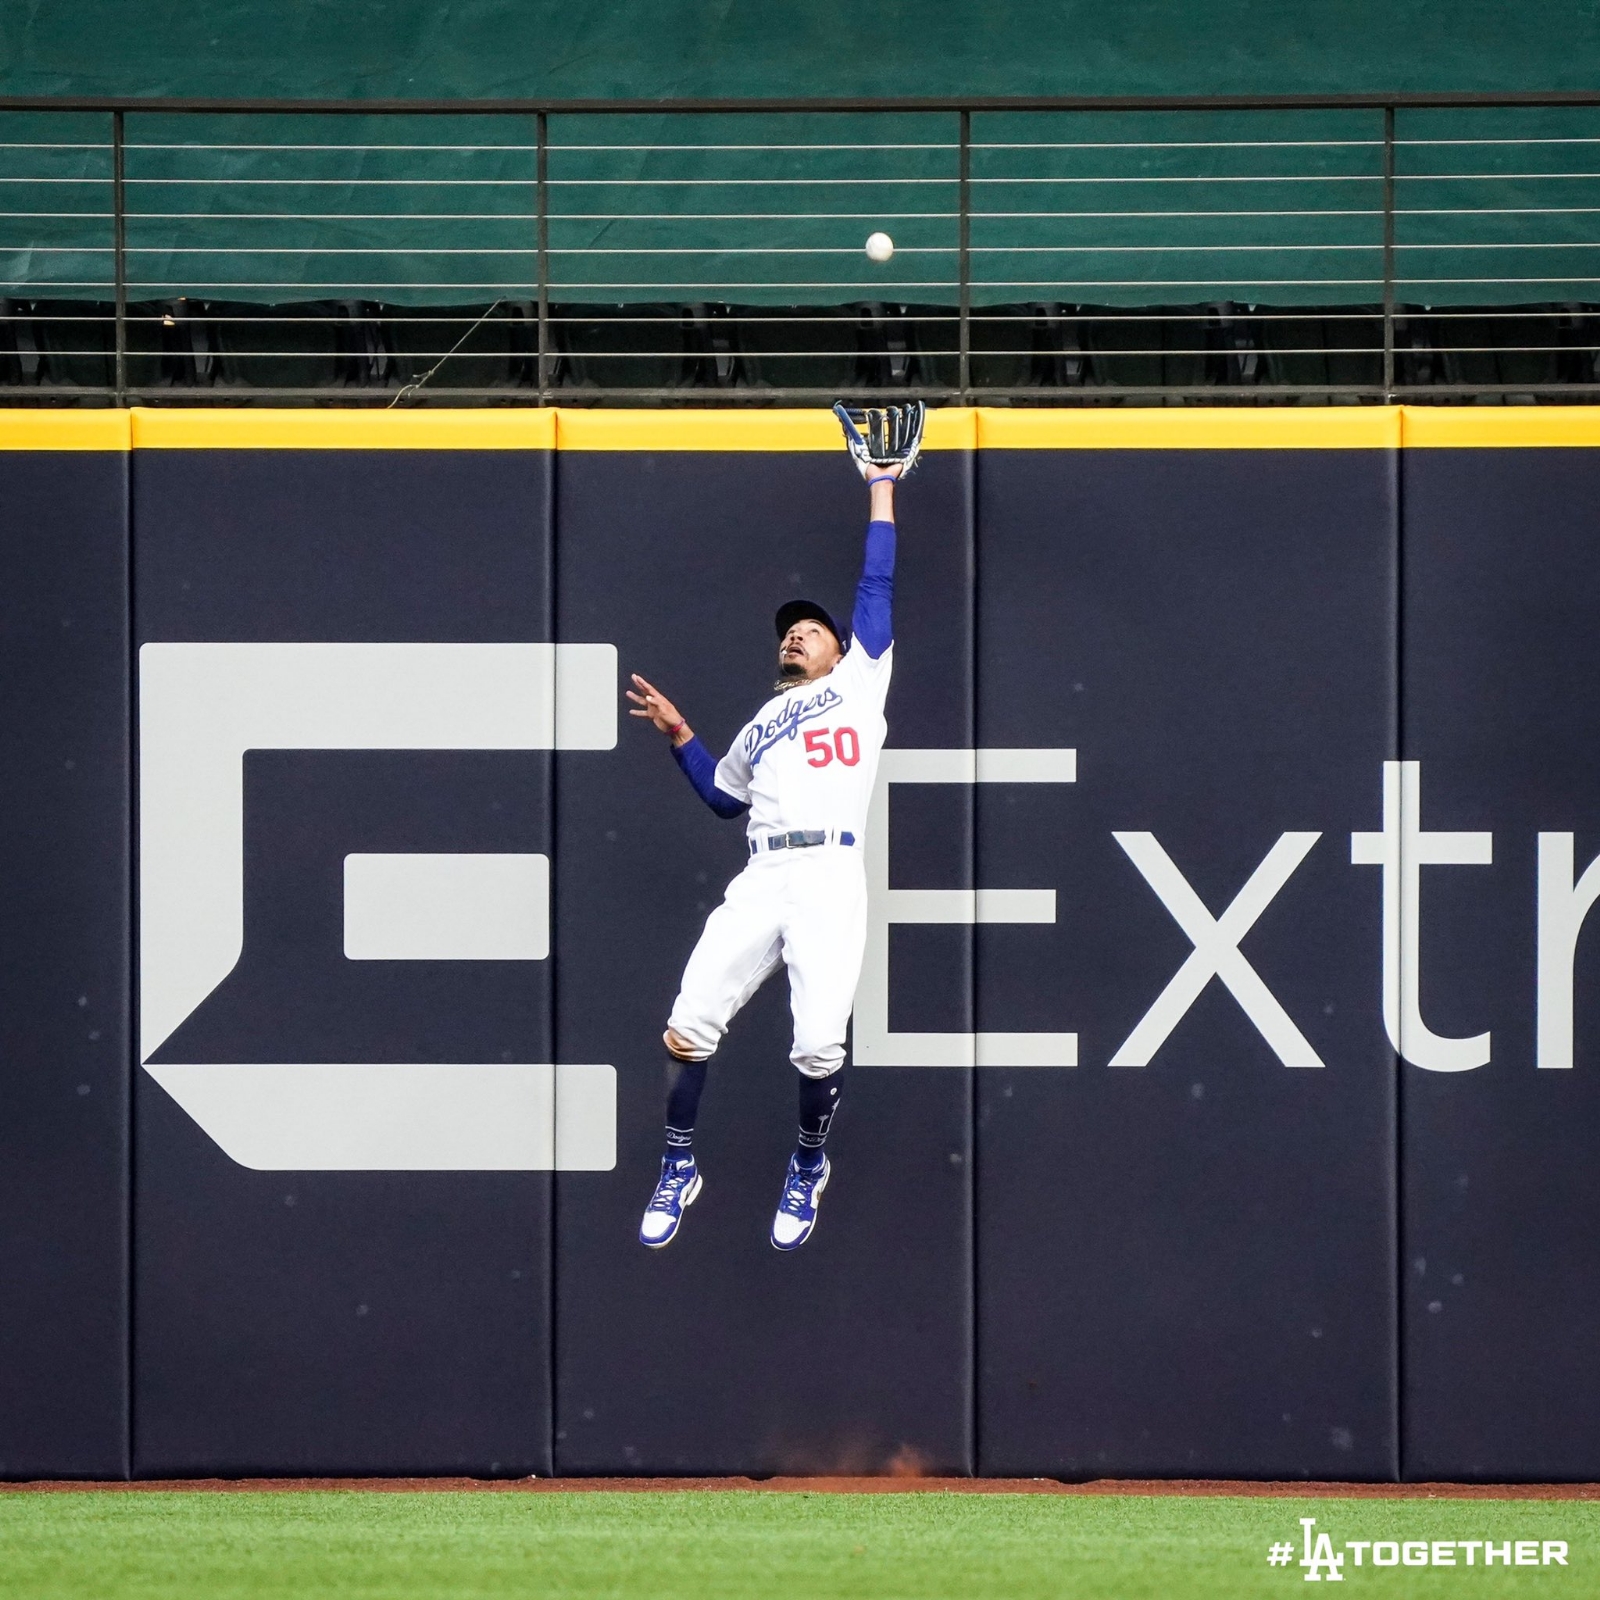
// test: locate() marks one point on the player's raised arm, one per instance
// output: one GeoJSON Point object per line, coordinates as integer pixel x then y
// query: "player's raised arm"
{"type": "Point", "coordinates": [696, 762]}
{"type": "Point", "coordinates": [872, 621]}
{"type": "Point", "coordinates": [885, 444]}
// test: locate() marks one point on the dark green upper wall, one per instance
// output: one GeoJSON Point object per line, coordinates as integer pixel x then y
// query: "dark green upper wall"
{"type": "Point", "coordinates": [1493, 207]}
{"type": "Point", "coordinates": [636, 48]}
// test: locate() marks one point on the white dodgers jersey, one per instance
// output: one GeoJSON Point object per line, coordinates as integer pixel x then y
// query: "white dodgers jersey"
{"type": "Point", "coordinates": [808, 758]}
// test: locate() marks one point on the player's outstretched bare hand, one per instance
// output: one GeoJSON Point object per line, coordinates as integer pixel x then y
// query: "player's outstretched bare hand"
{"type": "Point", "coordinates": [653, 704]}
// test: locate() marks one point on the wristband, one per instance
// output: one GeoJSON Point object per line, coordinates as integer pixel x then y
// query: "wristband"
{"type": "Point", "coordinates": [871, 482]}
{"type": "Point", "coordinates": [676, 728]}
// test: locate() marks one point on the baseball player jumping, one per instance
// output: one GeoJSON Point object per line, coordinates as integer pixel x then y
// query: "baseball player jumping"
{"type": "Point", "coordinates": [803, 768]}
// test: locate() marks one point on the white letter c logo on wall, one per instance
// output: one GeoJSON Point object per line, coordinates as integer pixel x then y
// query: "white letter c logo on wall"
{"type": "Point", "coordinates": [201, 706]}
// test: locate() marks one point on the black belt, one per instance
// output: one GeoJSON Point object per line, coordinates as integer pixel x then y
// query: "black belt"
{"type": "Point", "coordinates": [800, 839]}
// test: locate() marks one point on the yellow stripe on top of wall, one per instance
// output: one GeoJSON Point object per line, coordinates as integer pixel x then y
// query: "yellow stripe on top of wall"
{"type": "Point", "coordinates": [813, 429]}
{"type": "Point", "coordinates": [816, 428]}
{"type": "Point", "coordinates": [507, 428]}
{"type": "Point", "coordinates": [46, 429]}
{"type": "Point", "coordinates": [1501, 427]}
{"type": "Point", "coordinates": [1190, 428]}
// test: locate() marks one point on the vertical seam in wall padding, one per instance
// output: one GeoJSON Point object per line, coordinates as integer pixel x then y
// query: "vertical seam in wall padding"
{"type": "Point", "coordinates": [970, 495]}
{"type": "Point", "coordinates": [552, 1250]}
{"type": "Point", "coordinates": [553, 1210]}
{"type": "Point", "coordinates": [131, 902]}
{"type": "Point", "coordinates": [974, 1370]}
{"type": "Point", "coordinates": [1397, 1078]}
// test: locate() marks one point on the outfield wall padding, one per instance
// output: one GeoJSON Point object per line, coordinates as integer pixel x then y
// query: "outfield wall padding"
{"type": "Point", "coordinates": [721, 1355]}
{"type": "Point", "coordinates": [1163, 1148]}
{"type": "Point", "coordinates": [336, 1321]}
{"type": "Point", "coordinates": [65, 958]}
{"type": "Point", "coordinates": [1501, 704]}
{"type": "Point", "coordinates": [1188, 1261]}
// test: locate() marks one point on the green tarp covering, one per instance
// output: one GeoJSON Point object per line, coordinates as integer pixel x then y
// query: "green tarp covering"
{"type": "Point", "coordinates": [643, 48]}
{"type": "Point", "coordinates": [1082, 208]}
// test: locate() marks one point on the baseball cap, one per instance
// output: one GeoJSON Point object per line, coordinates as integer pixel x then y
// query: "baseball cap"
{"type": "Point", "coordinates": [793, 611]}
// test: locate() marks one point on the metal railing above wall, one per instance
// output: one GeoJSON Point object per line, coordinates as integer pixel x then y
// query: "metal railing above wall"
{"type": "Point", "coordinates": [701, 252]}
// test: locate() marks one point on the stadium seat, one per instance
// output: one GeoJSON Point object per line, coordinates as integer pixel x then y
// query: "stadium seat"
{"type": "Point", "coordinates": [711, 339]}
{"type": "Point", "coordinates": [1039, 344]}
{"type": "Point", "coordinates": [1125, 348]}
{"type": "Point", "coordinates": [1418, 361]}
{"type": "Point", "coordinates": [1235, 357]}
{"type": "Point", "coordinates": [619, 347]}
{"type": "Point", "coordinates": [1527, 345]}
{"type": "Point", "coordinates": [1293, 350]}
{"type": "Point", "coordinates": [362, 357]}
{"type": "Point", "coordinates": [274, 347]}
{"type": "Point", "coordinates": [423, 339]}
{"type": "Point", "coordinates": [1186, 359]}
{"type": "Point", "coordinates": [1577, 341]}
{"type": "Point", "coordinates": [171, 345]}
{"type": "Point", "coordinates": [796, 347]}
{"type": "Point", "coordinates": [1353, 337]}
{"type": "Point", "coordinates": [902, 346]}
{"type": "Point", "coordinates": [47, 344]}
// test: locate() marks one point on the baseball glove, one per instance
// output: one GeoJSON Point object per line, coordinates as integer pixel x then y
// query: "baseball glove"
{"type": "Point", "coordinates": [882, 436]}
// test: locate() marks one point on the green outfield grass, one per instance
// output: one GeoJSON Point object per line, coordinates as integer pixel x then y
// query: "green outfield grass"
{"type": "Point", "coordinates": [732, 1545]}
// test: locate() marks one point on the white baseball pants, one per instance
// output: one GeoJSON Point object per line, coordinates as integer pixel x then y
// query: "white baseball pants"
{"type": "Point", "coordinates": [805, 908]}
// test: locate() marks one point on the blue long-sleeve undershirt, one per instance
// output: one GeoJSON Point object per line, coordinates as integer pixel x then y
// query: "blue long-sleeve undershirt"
{"type": "Point", "coordinates": [700, 768]}
{"type": "Point", "coordinates": [872, 622]}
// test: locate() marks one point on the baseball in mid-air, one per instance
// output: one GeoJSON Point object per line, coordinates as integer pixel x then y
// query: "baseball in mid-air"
{"type": "Point", "coordinates": [879, 247]}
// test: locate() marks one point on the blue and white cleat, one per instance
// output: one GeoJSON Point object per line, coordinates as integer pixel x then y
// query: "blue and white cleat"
{"type": "Point", "coordinates": [675, 1193]}
{"type": "Point", "coordinates": [797, 1210]}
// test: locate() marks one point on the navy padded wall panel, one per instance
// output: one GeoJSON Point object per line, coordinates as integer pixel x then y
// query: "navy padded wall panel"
{"type": "Point", "coordinates": [63, 964]}
{"type": "Point", "coordinates": [720, 1354]}
{"type": "Point", "coordinates": [1186, 1267]}
{"type": "Point", "coordinates": [337, 1321]}
{"type": "Point", "coordinates": [1501, 670]}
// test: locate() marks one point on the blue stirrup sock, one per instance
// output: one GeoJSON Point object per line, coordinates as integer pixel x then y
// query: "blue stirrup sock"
{"type": "Point", "coordinates": [819, 1099]}
{"type": "Point", "coordinates": [683, 1105]}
